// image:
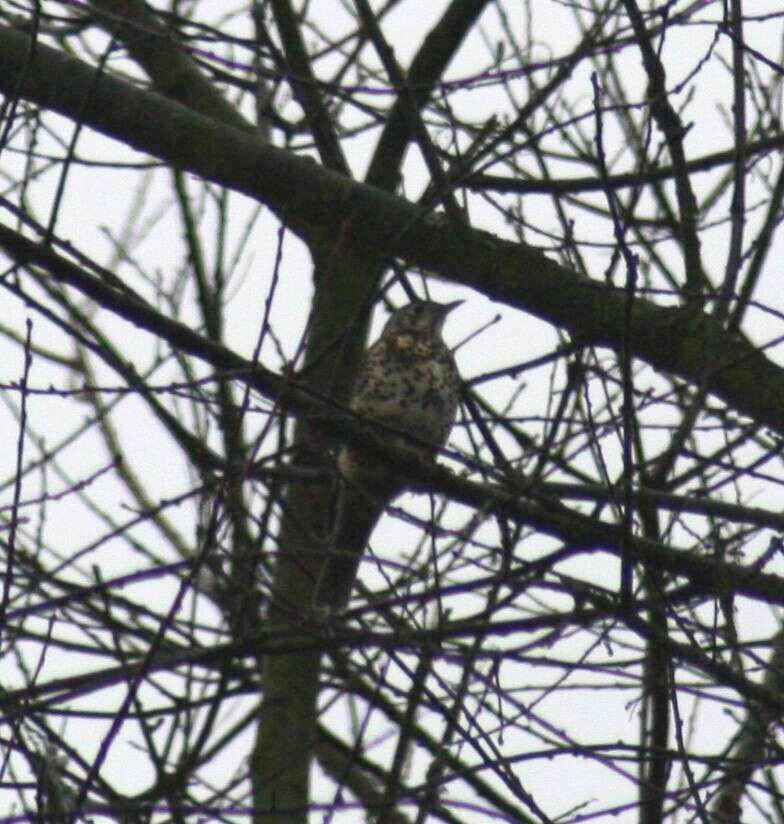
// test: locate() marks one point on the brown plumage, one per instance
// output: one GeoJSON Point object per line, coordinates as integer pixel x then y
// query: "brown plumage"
{"type": "Point", "coordinates": [408, 381]}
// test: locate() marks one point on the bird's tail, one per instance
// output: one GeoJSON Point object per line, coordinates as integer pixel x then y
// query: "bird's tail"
{"type": "Point", "coordinates": [357, 515]}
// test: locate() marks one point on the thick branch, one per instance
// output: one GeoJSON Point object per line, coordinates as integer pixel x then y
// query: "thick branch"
{"type": "Point", "coordinates": [165, 61]}
{"type": "Point", "coordinates": [308, 198]}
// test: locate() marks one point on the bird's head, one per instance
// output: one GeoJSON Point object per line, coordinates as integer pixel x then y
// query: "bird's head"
{"type": "Point", "coordinates": [419, 318]}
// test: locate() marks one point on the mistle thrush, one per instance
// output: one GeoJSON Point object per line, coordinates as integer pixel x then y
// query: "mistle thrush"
{"type": "Point", "coordinates": [409, 382]}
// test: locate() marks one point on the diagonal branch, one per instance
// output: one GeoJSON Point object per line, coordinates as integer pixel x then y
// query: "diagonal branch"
{"type": "Point", "coordinates": [166, 63]}
{"type": "Point", "coordinates": [308, 197]}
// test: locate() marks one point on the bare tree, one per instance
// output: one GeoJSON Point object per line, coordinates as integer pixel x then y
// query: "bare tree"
{"type": "Point", "coordinates": [577, 614]}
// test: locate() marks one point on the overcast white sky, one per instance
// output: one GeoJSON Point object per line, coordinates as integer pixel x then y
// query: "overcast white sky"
{"type": "Point", "coordinates": [98, 202]}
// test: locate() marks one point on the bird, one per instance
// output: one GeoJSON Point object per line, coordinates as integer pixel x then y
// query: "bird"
{"type": "Point", "coordinates": [409, 382]}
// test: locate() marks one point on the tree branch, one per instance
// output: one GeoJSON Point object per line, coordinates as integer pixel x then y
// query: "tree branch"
{"type": "Point", "coordinates": [309, 198]}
